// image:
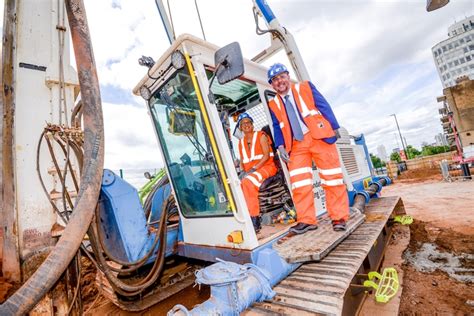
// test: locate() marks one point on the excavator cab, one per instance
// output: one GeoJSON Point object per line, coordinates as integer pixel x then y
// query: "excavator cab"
{"type": "Point", "coordinates": [195, 145]}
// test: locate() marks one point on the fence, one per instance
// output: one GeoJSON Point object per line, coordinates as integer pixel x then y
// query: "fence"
{"type": "Point", "coordinates": [427, 162]}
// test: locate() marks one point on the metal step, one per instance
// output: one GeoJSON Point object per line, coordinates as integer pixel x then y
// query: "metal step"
{"type": "Point", "coordinates": [316, 244]}
{"type": "Point", "coordinates": [324, 287]}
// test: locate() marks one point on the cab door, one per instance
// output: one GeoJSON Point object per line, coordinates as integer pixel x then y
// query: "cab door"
{"type": "Point", "coordinates": [199, 163]}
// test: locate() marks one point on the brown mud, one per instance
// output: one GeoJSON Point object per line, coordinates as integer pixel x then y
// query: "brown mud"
{"type": "Point", "coordinates": [442, 234]}
{"type": "Point", "coordinates": [436, 293]}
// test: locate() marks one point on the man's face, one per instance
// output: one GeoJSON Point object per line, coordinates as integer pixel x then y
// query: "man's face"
{"type": "Point", "coordinates": [281, 83]}
{"type": "Point", "coordinates": [246, 125]}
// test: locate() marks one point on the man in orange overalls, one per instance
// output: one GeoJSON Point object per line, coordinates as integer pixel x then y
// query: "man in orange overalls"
{"type": "Point", "coordinates": [305, 130]}
{"type": "Point", "coordinates": [256, 163]}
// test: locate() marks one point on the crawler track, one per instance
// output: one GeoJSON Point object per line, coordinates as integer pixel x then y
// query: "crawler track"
{"type": "Point", "coordinates": [332, 286]}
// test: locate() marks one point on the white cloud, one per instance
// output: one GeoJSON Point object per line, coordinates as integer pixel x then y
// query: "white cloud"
{"type": "Point", "coordinates": [130, 141]}
{"type": "Point", "coordinates": [369, 58]}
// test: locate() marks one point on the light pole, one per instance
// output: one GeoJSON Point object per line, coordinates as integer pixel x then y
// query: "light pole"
{"type": "Point", "coordinates": [401, 138]}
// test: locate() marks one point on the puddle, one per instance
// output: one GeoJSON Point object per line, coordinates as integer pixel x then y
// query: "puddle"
{"type": "Point", "coordinates": [427, 258]}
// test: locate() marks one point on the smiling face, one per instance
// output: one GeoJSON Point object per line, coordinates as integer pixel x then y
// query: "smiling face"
{"type": "Point", "coordinates": [281, 83]}
{"type": "Point", "coordinates": [246, 125]}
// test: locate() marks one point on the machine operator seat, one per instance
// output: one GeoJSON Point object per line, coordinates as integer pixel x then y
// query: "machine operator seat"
{"type": "Point", "coordinates": [273, 193]}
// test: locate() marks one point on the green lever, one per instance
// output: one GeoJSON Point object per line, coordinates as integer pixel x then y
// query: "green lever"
{"type": "Point", "coordinates": [387, 286]}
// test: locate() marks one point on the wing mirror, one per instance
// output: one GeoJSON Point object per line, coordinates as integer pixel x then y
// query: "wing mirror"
{"type": "Point", "coordinates": [229, 65]}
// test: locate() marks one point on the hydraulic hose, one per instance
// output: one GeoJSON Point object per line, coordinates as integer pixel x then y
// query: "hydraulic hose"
{"type": "Point", "coordinates": [36, 287]}
{"type": "Point", "coordinates": [360, 199]}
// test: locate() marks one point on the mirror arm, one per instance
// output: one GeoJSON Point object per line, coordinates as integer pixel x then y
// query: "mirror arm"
{"type": "Point", "coordinates": [210, 96]}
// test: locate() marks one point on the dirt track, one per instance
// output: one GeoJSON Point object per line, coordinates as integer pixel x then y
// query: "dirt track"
{"type": "Point", "coordinates": [442, 204]}
{"type": "Point", "coordinates": [444, 217]}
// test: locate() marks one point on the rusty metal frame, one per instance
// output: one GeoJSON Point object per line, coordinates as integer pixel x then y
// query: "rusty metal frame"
{"type": "Point", "coordinates": [11, 260]}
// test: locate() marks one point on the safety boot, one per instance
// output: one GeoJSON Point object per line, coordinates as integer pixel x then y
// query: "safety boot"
{"type": "Point", "coordinates": [256, 223]}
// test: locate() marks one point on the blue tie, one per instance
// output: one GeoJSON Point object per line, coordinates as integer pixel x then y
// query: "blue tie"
{"type": "Point", "coordinates": [292, 116]}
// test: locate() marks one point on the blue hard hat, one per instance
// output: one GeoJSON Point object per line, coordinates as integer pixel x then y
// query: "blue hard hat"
{"type": "Point", "coordinates": [242, 116]}
{"type": "Point", "coordinates": [275, 70]}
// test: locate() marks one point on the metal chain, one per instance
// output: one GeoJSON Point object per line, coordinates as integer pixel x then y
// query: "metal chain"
{"type": "Point", "coordinates": [235, 298]}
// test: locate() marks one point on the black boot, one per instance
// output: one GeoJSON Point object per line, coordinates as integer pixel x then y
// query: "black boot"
{"type": "Point", "coordinates": [256, 223]}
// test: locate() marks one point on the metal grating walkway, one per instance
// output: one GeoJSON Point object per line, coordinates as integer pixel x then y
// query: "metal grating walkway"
{"type": "Point", "coordinates": [303, 248]}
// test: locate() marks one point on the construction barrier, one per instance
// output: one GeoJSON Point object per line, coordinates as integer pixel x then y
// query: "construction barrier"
{"type": "Point", "coordinates": [427, 162]}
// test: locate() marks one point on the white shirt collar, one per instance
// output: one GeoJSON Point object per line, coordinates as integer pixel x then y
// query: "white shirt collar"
{"type": "Point", "coordinates": [289, 93]}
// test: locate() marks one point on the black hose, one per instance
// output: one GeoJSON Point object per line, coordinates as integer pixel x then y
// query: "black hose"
{"type": "Point", "coordinates": [135, 288]}
{"type": "Point", "coordinates": [360, 199]}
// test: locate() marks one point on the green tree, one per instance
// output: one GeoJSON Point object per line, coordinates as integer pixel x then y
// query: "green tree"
{"type": "Point", "coordinates": [433, 150]}
{"type": "Point", "coordinates": [376, 161]}
{"type": "Point", "coordinates": [412, 152]}
{"type": "Point", "coordinates": [395, 157]}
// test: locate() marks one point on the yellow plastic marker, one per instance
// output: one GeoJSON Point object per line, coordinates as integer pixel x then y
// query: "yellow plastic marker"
{"type": "Point", "coordinates": [387, 286]}
{"type": "Point", "coordinates": [403, 219]}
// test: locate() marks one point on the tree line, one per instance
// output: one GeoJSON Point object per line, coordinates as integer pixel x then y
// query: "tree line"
{"type": "Point", "coordinates": [411, 153]}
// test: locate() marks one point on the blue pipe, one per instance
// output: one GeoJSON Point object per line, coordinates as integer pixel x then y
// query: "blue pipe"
{"type": "Point", "coordinates": [235, 287]}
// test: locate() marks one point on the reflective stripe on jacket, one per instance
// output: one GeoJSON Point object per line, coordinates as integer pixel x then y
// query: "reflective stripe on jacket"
{"type": "Point", "coordinates": [251, 157]}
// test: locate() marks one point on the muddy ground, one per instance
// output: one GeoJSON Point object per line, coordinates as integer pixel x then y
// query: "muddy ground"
{"type": "Point", "coordinates": [439, 262]}
{"type": "Point", "coordinates": [443, 233]}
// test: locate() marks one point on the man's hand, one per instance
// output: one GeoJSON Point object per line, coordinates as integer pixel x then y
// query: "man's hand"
{"type": "Point", "coordinates": [283, 154]}
{"type": "Point", "coordinates": [338, 135]}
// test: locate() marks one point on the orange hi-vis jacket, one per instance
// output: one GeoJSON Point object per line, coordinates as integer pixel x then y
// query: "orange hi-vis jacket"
{"type": "Point", "coordinates": [251, 157]}
{"type": "Point", "coordinates": [318, 125]}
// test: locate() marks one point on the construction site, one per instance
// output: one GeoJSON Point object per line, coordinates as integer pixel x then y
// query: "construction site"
{"type": "Point", "coordinates": [78, 238]}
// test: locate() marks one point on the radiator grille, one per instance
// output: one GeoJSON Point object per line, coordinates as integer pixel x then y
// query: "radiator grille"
{"type": "Point", "coordinates": [349, 160]}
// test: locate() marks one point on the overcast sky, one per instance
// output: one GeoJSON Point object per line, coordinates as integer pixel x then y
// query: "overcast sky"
{"type": "Point", "coordinates": [369, 58]}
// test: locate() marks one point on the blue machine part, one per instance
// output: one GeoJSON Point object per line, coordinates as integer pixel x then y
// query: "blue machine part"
{"type": "Point", "coordinates": [122, 218]}
{"type": "Point", "coordinates": [159, 198]}
{"type": "Point", "coordinates": [360, 140]}
{"type": "Point", "coordinates": [235, 287]}
{"type": "Point", "coordinates": [266, 11]}
{"type": "Point", "coordinates": [378, 184]}
{"type": "Point", "coordinates": [352, 194]}
{"type": "Point", "coordinates": [387, 179]}
{"type": "Point", "coordinates": [125, 232]}
{"type": "Point", "coordinates": [365, 194]}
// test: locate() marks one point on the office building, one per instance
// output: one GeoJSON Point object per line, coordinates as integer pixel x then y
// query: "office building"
{"type": "Point", "coordinates": [454, 57]}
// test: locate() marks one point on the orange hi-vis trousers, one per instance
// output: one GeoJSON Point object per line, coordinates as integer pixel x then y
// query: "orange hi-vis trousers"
{"type": "Point", "coordinates": [327, 161]}
{"type": "Point", "coordinates": [251, 184]}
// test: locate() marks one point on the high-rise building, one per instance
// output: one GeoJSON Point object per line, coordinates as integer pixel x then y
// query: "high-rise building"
{"type": "Point", "coordinates": [440, 140]}
{"type": "Point", "coordinates": [382, 152]}
{"type": "Point", "coordinates": [454, 57]}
